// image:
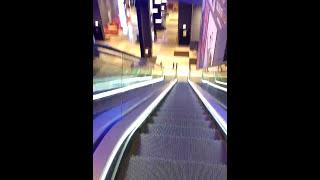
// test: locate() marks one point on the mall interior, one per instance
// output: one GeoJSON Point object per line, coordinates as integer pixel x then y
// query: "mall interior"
{"type": "Point", "coordinates": [159, 89]}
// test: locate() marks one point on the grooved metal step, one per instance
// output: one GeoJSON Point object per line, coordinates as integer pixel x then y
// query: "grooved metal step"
{"type": "Point", "coordinates": [181, 122]}
{"type": "Point", "coordinates": [180, 109]}
{"type": "Point", "coordinates": [141, 168]}
{"type": "Point", "coordinates": [182, 148]}
{"type": "Point", "coordinates": [184, 115]}
{"type": "Point", "coordinates": [179, 144]}
{"type": "Point", "coordinates": [193, 132]}
{"type": "Point", "coordinates": [196, 110]}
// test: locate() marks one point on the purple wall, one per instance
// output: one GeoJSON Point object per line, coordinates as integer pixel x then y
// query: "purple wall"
{"type": "Point", "coordinates": [213, 24]}
{"type": "Point", "coordinates": [220, 14]}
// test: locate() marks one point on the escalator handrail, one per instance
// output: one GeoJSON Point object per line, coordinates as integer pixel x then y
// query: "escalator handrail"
{"type": "Point", "coordinates": [139, 60]}
{"type": "Point", "coordinates": [219, 114]}
{"type": "Point", "coordinates": [105, 154]}
{"type": "Point", "coordinates": [117, 50]}
{"type": "Point", "coordinates": [214, 85]}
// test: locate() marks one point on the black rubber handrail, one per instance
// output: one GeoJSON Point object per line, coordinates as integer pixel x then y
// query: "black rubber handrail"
{"type": "Point", "coordinates": [117, 50]}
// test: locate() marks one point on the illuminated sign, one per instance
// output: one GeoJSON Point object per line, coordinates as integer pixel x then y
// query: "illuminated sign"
{"type": "Point", "coordinates": [184, 33]}
{"type": "Point", "coordinates": [155, 10]}
{"type": "Point", "coordinates": [157, 1]}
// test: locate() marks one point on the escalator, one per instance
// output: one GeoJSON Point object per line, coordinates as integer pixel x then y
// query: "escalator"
{"type": "Point", "coordinates": [178, 141]}
{"type": "Point", "coordinates": [219, 95]}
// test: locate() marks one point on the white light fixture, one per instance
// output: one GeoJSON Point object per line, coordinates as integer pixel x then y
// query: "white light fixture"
{"type": "Point", "coordinates": [162, 7]}
{"type": "Point", "coordinates": [164, 1]}
{"type": "Point", "coordinates": [146, 51]}
{"type": "Point", "coordinates": [155, 10]}
{"type": "Point", "coordinates": [184, 33]}
{"type": "Point", "coordinates": [158, 21]}
{"type": "Point", "coordinates": [184, 26]}
{"type": "Point", "coordinates": [157, 1]}
{"type": "Point", "coordinates": [96, 23]}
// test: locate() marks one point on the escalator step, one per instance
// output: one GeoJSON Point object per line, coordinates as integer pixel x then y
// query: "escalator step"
{"type": "Point", "coordinates": [195, 132]}
{"type": "Point", "coordinates": [180, 143]}
{"type": "Point", "coordinates": [195, 110]}
{"type": "Point", "coordinates": [181, 115]}
{"type": "Point", "coordinates": [186, 112]}
{"type": "Point", "coordinates": [141, 168]}
{"type": "Point", "coordinates": [184, 106]}
{"type": "Point", "coordinates": [182, 148]}
{"type": "Point", "coordinates": [181, 122]}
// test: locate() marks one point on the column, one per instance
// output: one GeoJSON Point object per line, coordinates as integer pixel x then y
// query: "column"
{"type": "Point", "coordinates": [98, 31]}
{"type": "Point", "coordinates": [144, 25]}
{"type": "Point", "coordinates": [184, 23]}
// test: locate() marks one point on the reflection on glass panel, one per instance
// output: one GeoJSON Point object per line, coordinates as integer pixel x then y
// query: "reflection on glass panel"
{"type": "Point", "coordinates": [213, 80]}
{"type": "Point", "coordinates": [216, 74]}
{"type": "Point", "coordinates": [114, 69]}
